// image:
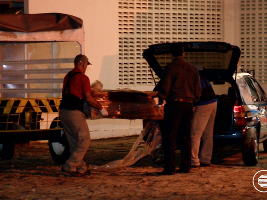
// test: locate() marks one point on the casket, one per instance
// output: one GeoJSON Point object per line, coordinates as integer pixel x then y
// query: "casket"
{"type": "Point", "coordinates": [125, 104]}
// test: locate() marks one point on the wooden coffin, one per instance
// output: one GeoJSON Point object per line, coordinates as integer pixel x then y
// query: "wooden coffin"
{"type": "Point", "coordinates": [125, 104]}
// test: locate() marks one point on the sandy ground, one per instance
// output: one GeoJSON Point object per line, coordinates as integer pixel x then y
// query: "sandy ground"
{"type": "Point", "coordinates": [32, 174]}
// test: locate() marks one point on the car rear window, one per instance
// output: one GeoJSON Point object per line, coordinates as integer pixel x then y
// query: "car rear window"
{"type": "Point", "coordinates": [245, 91]}
{"type": "Point", "coordinates": [252, 89]}
{"type": "Point", "coordinates": [208, 60]}
{"type": "Point", "coordinates": [260, 91]}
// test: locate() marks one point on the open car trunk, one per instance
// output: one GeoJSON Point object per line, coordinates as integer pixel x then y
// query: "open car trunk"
{"type": "Point", "coordinates": [226, 95]}
{"type": "Point", "coordinates": [219, 63]}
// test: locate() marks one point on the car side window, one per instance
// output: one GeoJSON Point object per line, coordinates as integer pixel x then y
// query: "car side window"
{"type": "Point", "coordinates": [253, 90]}
{"type": "Point", "coordinates": [259, 89]}
{"type": "Point", "coordinates": [245, 91]}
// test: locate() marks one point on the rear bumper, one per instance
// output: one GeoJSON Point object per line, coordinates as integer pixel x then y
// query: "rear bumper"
{"type": "Point", "coordinates": [237, 137]}
{"type": "Point", "coordinates": [232, 136]}
{"type": "Point", "coordinates": [228, 142]}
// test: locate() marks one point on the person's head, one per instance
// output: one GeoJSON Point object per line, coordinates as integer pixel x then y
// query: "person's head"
{"type": "Point", "coordinates": [81, 62]}
{"type": "Point", "coordinates": [176, 50]}
{"type": "Point", "coordinates": [96, 86]}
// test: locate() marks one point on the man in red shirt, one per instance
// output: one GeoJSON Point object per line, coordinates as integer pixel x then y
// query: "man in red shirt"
{"type": "Point", "coordinates": [76, 90]}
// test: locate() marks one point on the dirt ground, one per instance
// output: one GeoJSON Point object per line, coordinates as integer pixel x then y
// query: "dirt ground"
{"type": "Point", "coordinates": [32, 174]}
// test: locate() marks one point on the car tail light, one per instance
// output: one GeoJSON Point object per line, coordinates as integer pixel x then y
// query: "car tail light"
{"type": "Point", "coordinates": [240, 116]}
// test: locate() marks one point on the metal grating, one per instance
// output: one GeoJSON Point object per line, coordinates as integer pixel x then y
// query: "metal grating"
{"type": "Point", "coordinates": [146, 22]}
{"type": "Point", "coordinates": [253, 37]}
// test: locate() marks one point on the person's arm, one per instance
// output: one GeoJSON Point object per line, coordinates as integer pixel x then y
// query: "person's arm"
{"type": "Point", "coordinates": [91, 101]}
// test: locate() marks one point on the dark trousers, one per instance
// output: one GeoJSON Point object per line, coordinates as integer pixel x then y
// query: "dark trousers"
{"type": "Point", "coordinates": [177, 123]}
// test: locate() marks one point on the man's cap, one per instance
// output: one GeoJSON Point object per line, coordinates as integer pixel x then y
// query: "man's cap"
{"type": "Point", "coordinates": [81, 58]}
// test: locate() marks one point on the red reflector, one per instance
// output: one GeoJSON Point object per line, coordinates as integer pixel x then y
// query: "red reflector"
{"type": "Point", "coordinates": [240, 121]}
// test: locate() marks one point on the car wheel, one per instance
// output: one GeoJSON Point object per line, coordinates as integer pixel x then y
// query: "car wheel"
{"type": "Point", "coordinates": [250, 151]}
{"type": "Point", "coordinates": [59, 146]}
{"type": "Point", "coordinates": [7, 150]}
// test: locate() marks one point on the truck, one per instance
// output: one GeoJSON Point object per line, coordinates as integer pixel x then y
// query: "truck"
{"type": "Point", "coordinates": [36, 51]}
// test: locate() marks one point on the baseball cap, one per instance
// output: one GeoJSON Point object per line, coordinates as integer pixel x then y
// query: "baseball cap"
{"type": "Point", "coordinates": [81, 58]}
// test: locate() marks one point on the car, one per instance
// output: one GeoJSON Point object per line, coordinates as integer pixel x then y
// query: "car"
{"type": "Point", "coordinates": [241, 118]}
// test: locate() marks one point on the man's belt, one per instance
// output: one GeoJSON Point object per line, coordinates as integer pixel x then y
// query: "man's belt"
{"type": "Point", "coordinates": [180, 100]}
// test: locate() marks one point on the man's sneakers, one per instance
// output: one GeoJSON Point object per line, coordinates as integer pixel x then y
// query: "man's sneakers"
{"type": "Point", "coordinates": [76, 174]}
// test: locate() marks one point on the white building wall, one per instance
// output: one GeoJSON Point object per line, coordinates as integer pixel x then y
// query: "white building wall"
{"type": "Point", "coordinates": [144, 22]}
{"type": "Point", "coordinates": [253, 38]}
{"type": "Point", "coordinates": [231, 22]}
{"type": "Point", "coordinates": [100, 19]}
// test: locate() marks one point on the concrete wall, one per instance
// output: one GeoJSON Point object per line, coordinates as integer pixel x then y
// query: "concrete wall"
{"type": "Point", "coordinates": [231, 22]}
{"type": "Point", "coordinates": [231, 25]}
{"type": "Point", "coordinates": [100, 19]}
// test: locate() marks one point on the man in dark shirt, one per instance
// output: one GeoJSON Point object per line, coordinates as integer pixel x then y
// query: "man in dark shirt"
{"type": "Point", "coordinates": [180, 87]}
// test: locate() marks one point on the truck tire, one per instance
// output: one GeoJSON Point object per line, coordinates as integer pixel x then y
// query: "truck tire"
{"type": "Point", "coordinates": [59, 146]}
{"type": "Point", "coordinates": [250, 151]}
{"type": "Point", "coordinates": [7, 150]}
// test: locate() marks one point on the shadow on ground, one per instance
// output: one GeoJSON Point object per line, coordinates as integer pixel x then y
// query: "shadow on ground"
{"type": "Point", "coordinates": [36, 154]}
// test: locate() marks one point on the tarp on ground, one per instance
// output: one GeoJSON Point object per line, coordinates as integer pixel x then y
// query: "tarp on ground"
{"type": "Point", "coordinates": [152, 146]}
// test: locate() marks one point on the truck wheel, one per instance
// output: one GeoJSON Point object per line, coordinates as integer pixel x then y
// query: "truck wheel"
{"type": "Point", "coordinates": [7, 150]}
{"type": "Point", "coordinates": [250, 151]}
{"type": "Point", "coordinates": [59, 146]}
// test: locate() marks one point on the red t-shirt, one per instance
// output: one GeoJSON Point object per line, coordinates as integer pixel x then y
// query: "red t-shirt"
{"type": "Point", "coordinates": [79, 84]}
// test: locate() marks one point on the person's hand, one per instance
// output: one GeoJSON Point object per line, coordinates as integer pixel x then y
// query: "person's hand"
{"type": "Point", "coordinates": [104, 112]}
{"type": "Point", "coordinates": [161, 108]}
{"type": "Point", "coordinates": [156, 99]}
